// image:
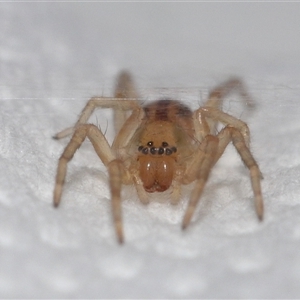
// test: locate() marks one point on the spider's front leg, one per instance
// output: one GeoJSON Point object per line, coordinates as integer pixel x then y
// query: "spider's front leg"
{"type": "Point", "coordinates": [237, 131]}
{"type": "Point", "coordinates": [101, 147]}
{"type": "Point", "coordinates": [112, 158]}
{"type": "Point", "coordinates": [199, 170]}
{"type": "Point", "coordinates": [125, 89]}
{"type": "Point", "coordinates": [212, 149]}
{"type": "Point", "coordinates": [231, 134]}
{"type": "Point", "coordinates": [116, 169]}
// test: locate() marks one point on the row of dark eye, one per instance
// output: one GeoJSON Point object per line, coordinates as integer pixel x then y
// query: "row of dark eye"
{"type": "Point", "coordinates": [160, 150]}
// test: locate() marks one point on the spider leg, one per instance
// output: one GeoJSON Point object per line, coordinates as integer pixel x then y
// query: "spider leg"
{"type": "Point", "coordinates": [101, 147]}
{"type": "Point", "coordinates": [209, 148]}
{"type": "Point", "coordinates": [193, 165]}
{"type": "Point", "coordinates": [217, 95]}
{"type": "Point", "coordinates": [229, 134]}
{"type": "Point", "coordinates": [218, 115]}
{"type": "Point", "coordinates": [117, 172]}
{"type": "Point", "coordinates": [175, 193]}
{"type": "Point", "coordinates": [201, 126]}
{"type": "Point", "coordinates": [92, 104]}
{"type": "Point", "coordinates": [125, 139]}
{"type": "Point", "coordinates": [187, 173]}
{"type": "Point", "coordinates": [115, 169]}
{"type": "Point", "coordinates": [233, 84]}
{"type": "Point", "coordinates": [212, 152]}
{"type": "Point", "coordinates": [125, 88]}
{"type": "Point", "coordinates": [126, 134]}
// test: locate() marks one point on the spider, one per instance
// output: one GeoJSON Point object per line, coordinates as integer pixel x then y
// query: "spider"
{"type": "Point", "coordinates": [161, 146]}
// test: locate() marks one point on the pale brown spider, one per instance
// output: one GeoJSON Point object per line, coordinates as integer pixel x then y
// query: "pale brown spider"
{"type": "Point", "coordinates": [160, 146]}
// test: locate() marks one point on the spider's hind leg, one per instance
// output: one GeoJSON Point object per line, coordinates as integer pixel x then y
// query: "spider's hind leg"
{"type": "Point", "coordinates": [125, 88]}
{"type": "Point", "coordinates": [124, 100]}
{"type": "Point", "coordinates": [217, 95]}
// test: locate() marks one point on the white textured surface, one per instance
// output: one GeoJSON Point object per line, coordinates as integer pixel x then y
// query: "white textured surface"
{"type": "Point", "coordinates": [53, 57]}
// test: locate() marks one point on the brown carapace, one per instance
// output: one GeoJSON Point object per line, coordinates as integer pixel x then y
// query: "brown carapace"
{"type": "Point", "coordinates": [165, 119]}
{"type": "Point", "coordinates": [161, 146]}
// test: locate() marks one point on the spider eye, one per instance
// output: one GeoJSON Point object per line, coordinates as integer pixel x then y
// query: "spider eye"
{"type": "Point", "coordinates": [169, 151]}
{"type": "Point", "coordinates": [150, 144]}
{"type": "Point", "coordinates": [145, 151]}
{"type": "Point", "coordinates": [161, 150]}
{"type": "Point", "coordinates": [153, 150]}
{"type": "Point", "coordinates": [140, 148]}
{"type": "Point", "coordinates": [165, 144]}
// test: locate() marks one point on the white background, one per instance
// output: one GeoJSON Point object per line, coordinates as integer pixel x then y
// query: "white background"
{"type": "Point", "coordinates": [53, 58]}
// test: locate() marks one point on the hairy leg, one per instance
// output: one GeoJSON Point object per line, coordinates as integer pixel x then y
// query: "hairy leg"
{"type": "Point", "coordinates": [125, 88]}
{"type": "Point", "coordinates": [92, 104]}
{"type": "Point", "coordinates": [217, 95]}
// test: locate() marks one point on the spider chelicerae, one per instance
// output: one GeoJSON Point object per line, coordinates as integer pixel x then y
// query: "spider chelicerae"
{"type": "Point", "coordinates": [161, 145]}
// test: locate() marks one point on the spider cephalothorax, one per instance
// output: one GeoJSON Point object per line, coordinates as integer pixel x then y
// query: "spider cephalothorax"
{"type": "Point", "coordinates": [161, 146]}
